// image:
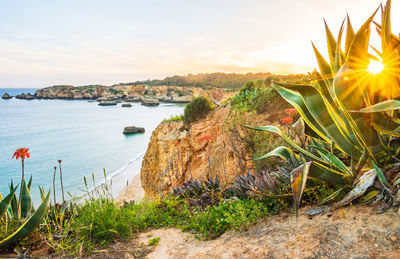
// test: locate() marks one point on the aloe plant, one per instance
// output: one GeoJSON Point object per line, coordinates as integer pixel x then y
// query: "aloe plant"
{"type": "Point", "coordinates": [10, 209]}
{"type": "Point", "coordinates": [348, 108]}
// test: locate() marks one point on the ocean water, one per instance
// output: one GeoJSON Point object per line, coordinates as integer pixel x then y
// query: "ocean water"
{"type": "Point", "coordinates": [85, 136]}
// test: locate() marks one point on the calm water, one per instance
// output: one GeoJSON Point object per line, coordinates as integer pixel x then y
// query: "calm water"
{"type": "Point", "coordinates": [87, 137]}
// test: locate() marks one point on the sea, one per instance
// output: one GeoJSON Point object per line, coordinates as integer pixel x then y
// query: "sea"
{"type": "Point", "coordinates": [87, 138]}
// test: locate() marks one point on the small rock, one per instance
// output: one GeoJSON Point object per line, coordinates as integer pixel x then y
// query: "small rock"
{"type": "Point", "coordinates": [150, 102]}
{"type": "Point", "coordinates": [126, 105]}
{"type": "Point", "coordinates": [6, 96]}
{"type": "Point", "coordinates": [107, 103]}
{"type": "Point", "coordinates": [133, 129]}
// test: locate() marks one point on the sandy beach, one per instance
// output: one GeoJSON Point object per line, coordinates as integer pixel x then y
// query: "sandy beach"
{"type": "Point", "coordinates": [133, 191]}
{"type": "Point", "coordinates": [126, 185]}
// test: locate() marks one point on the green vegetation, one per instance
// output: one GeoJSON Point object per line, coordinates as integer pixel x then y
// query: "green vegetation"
{"type": "Point", "coordinates": [347, 134]}
{"type": "Point", "coordinates": [219, 80]}
{"type": "Point", "coordinates": [173, 119]}
{"type": "Point", "coordinates": [197, 109]}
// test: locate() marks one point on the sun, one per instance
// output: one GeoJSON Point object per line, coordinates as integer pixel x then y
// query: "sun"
{"type": "Point", "coordinates": [375, 67]}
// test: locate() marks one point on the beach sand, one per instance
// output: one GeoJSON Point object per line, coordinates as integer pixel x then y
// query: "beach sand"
{"type": "Point", "coordinates": [133, 191]}
{"type": "Point", "coordinates": [126, 185]}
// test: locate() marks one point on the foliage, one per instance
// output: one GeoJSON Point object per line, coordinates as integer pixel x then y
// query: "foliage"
{"type": "Point", "coordinates": [197, 109]}
{"type": "Point", "coordinates": [357, 129]}
{"type": "Point", "coordinates": [18, 218]}
{"type": "Point", "coordinates": [173, 119]}
{"type": "Point", "coordinates": [221, 80]}
{"type": "Point", "coordinates": [154, 241]}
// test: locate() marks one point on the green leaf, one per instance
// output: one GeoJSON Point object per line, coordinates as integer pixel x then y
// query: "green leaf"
{"type": "Point", "coordinates": [6, 202]}
{"type": "Point", "coordinates": [332, 196]}
{"type": "Point", "coordinates": [27, 228]}
{"type": "Point", "coordinates": [282, 152]}
{"type": "Point", "coordinates": [30, 183]}
{"type": "Point", "coordinates": [26, 201]}
{"type": "Point", "coordinates": [274, 129]}
{"type": "Point", "coordinates": [369, 195]}
{"type": "Point", "coordinates": [382, 178]}
{"type": "Point", "coordinates": [323, 173]}
{"type": "Point", "coordinates": [349, 36]}
{"type": "Point", "coordinates": [332, 159]}
{"type": "Point", "coordinates": [384, 106]}
{"type": "Point", "coordinates": [298, 179]}
{"type": "Point", "coordinates": [326, 119]}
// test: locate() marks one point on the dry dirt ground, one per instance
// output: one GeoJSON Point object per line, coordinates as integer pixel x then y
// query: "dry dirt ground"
{"type": "Point", "coordinates": [352, 232]}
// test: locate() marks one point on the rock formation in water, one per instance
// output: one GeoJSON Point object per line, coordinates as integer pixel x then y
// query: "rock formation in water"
{"type": "Point", "coordinates": [6, 96]}
{"type": "Point", "coordinates": [133, 129]}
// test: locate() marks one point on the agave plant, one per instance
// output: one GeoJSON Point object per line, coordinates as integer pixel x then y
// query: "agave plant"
{"type": "Point", "coordinates": [349, 108]}
{"type": "Point", "coordinates": [11, 210]}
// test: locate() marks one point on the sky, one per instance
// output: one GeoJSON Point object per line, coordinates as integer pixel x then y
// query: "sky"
{"type": "Point", "coordinates": [80, 42]}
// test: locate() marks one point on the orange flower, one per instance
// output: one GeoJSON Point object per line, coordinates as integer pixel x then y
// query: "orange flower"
{"type": "Point", "coordinates": [21, 153]}
{"type": "Point", "coordinates": [287, 120]}
{"type": "Point", "coordinates": [177, 144]}
{"type": "Point", "coordinates": [291, 111]}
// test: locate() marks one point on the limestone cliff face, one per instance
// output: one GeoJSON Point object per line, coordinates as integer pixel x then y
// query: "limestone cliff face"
{"type": "Point", "coordinates": [175, 154]}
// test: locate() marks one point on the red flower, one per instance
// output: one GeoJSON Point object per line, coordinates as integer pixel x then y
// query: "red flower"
{"type": "Point", "coordinates": [287, 120]}
{"type": "Point", "coordinates": [291, 111]}
{"type": "Point", "coordinates": [21, 153]}
{"type": "Point", "coordinates": [177, 144]}
{"type": "Point", "coordinates": [207, 137]}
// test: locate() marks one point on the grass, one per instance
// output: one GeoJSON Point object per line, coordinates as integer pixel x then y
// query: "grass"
{"type": "Point", "coordinates": [99, 222]}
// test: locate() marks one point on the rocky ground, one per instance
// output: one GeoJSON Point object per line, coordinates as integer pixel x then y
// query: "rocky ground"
{"type": "Point", "coordinates": [352, 232]}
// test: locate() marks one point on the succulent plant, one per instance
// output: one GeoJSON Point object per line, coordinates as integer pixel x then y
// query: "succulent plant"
{"type": "Point", "coordinates": [12, 210]}
{"type": "Point", "coordinates": [349, 107]}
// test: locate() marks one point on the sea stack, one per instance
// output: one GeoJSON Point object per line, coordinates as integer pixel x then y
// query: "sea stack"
{"type": "Point", "coordinates": [133, 130]}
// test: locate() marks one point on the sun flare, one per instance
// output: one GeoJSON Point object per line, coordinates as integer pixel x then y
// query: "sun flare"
{"type": "Point", "coordinates": [375, 67]}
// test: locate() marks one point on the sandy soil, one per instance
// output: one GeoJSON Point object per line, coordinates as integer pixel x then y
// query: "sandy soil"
{"type": "Point", "coordinates": [133, 191]}
{"type": "Point", "coordinates": [353, 232]}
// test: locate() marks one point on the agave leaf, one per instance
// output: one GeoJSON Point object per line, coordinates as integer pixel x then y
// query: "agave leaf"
{"type": "Point", "coordinates": [349, 36]}
{"type": "Point", "coordinates": [30, 183]}
{"type": "Point", "coordinates": [274, 129]}
{"type": "Point", "coordinates": [322, 63]}
{"type": "Point", "coordinates": [332, 47]}
{"type": "Point", "coordinates": [370, 195]}
{"type": "Point", "coordinates": [339, 58]}
{"type": "Point", "coordinates": [26, 201]}
{"type": "Point", "coordinates": [332, 159]}
{"type": "Point", "coordinates": [42, 193]}
{"type": "Point", "coordinates": [29, 225]}
{"type": "Point", "coordinates": [325, 118]}
{"type": "Point", "coordinates": [386, 34]}
{"type": "Point", "coordinates": [382, 178]}
{"type": "Point", "coordinates": [298, 181]}
{"type": "Point", "coordinates": [323, 173]}
{"type": "Point", "coordinates": [282, 152]}
{"type": "Point", "coordinates": [363, 183]}
{"type": "Point", "coordinates": [384, 106]}
{"type": "Point", "coordinates": [6, 202]}
{"type": "Point", "coordinates": [331, 197]}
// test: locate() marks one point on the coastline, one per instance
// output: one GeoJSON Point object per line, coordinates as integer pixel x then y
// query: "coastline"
{"type": "Point", "coordinates": [126, 184]}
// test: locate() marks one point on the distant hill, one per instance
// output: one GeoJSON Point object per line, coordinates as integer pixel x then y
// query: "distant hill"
{"type": "Point", "coordinates": [220, 80]}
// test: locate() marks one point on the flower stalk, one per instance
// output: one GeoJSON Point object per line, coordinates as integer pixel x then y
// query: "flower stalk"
{"type": "Point", "coordinates": [62, 186]}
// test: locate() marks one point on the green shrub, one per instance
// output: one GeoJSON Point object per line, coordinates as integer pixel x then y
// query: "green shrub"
{"type": "Point", "coordinates": [261, 102]}
{"type": "Point", "coordinates": [197, 109]}
{"type": "Point", "coordinates": [154, 241]}
{"type": "Point", "coordinates": [173, 118]}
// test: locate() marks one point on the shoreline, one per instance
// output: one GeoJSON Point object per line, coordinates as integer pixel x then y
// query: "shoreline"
{"type": "Point", "coordinates": [126, 184]}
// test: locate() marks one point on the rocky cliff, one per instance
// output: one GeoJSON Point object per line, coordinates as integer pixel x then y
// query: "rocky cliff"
{"type": "Point", "coordinates": [175, 153]}
{"type": "Point", "coordinates": [171, 94]}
